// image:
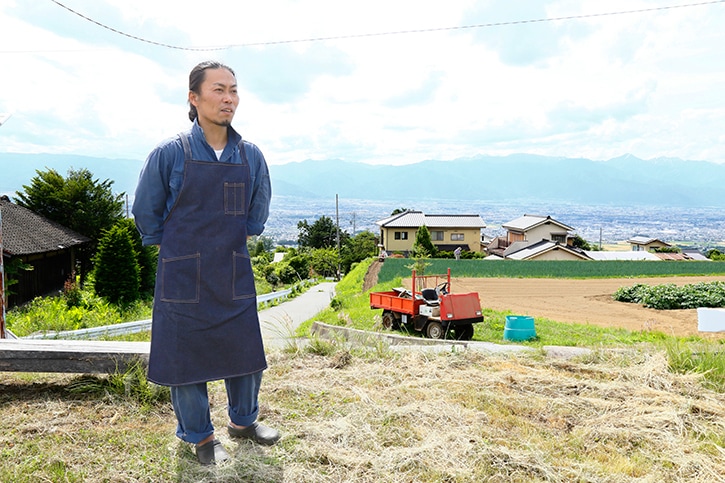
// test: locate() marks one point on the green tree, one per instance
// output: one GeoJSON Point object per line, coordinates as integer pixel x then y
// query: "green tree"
{"type": "Point", "coordinates": [260, 244]}
{"type": "Point", "coordinates": [398, 211]}
{"type": "Point", "coordinates": [299, 261]}
{"type": "Point", "coordinates": [358, 248]}
{"type": "Point", "coordinates": [320, 234]}
{"type": "Point", "coordinates": [117, 273]}
{"type": "Point", "coordinates": [79, 202]}
{"type": "Point", "coordinates": [324, 261]}
{"type": "Point", "coordinates": [284, 272]}
{"type": "Point", "coordinates": [423, 246]}
{"type": "Point", "coordinates": [146, 257]}
{"type": "Point", "coordinates": [580, 242]}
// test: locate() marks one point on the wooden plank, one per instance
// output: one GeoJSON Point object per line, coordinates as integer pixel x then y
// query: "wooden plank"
{"type": "Point", "coordinates": [70, 356]}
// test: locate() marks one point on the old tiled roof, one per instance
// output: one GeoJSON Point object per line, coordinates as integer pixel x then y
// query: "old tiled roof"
{"type": "Point", "coordinates": [415, 219]}
{"type": "Point", "coordinates": [24, 232]}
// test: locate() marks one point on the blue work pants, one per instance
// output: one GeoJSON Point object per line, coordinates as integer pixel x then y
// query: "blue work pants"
{"type": "Point", "coordinates": [191, 406]}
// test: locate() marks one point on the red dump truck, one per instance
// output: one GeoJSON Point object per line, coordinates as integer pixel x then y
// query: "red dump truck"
{"type": "Point", "coordinates": [430, 307]}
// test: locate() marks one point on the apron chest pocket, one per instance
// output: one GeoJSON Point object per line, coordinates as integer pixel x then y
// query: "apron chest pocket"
{"type": "Point", "coordinates": [180, 279]}
{"type": "Point", "coordinates": [234, 199]}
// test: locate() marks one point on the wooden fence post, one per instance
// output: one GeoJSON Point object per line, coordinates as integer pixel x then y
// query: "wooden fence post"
{"type": "Point", "coordinates": [2, 282]}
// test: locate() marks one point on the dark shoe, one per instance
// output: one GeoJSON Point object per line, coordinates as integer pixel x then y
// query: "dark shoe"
{"type": "Point", "coordinates": [211, 453]}
{"type": "Point", "coordinates": [256, 432]}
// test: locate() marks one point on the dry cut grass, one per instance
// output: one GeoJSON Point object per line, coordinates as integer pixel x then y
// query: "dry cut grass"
{"type": "Point", "coordinates": [354, 416]}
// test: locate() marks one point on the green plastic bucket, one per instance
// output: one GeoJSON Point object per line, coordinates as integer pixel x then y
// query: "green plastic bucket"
{"type": "Point", "coordinates": [519, 327]}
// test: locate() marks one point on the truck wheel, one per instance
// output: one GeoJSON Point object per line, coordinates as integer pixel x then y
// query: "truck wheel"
{"type": "Point", "coordinates": [463, 332]}
{"type": "Point", "coordinates": [434, 330]}
{"type": "Point", "coordinates": [388, 320]}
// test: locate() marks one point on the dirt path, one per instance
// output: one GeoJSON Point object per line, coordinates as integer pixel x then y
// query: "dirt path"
{"type": "Point", "coordinates": [371, 277]}
{"type": "Point", "coordinates": [583, 301]}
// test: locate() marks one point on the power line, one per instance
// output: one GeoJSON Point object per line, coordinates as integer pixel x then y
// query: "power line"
{"type": "Point", "coordinates": [389, 33]}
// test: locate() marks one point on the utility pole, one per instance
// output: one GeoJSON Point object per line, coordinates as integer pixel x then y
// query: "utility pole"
{"type": "Point", "coordinates": [600, 238]}
{"type": "Point", "coordinates": [337, 225]}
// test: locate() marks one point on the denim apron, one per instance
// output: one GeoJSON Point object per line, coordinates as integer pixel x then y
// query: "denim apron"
{"type": "Point", "coordinates": [205, 325]}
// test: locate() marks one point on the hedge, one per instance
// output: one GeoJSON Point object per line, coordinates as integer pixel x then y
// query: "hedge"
{"type": "Point", "coordinates": [398, 267]}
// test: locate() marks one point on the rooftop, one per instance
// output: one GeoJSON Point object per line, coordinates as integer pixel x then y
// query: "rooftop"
{"type": "Point", "coordinates": [25, 232]}
{"type": "Point", "coordinates": [528, 222]}
{"type": "Point", "coordinates": [415, 219]}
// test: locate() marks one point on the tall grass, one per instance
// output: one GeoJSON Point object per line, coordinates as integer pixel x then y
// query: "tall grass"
{"type": "Point", "coordinates": [701, 357]}
{"type": "Point", "coordinates": [81, 309]}
{"type": "Point", "coordinates": [45, 314]}
{"type": "Point", "coordinates": [130, 384]}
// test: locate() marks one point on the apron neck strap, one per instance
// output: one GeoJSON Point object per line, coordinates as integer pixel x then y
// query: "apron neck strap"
{"type": "Point", "coordinates": [187, 147]}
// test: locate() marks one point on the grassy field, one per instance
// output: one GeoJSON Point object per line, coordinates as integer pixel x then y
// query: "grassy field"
{"type": "Point", "coordinates": [352, 308]}
{"type": "Point", "coordinates": [376, 415]}
{"type": "Point", "coordinates": [641, 407]}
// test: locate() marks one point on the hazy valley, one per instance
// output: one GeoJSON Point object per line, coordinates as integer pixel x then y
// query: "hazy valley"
{"type": "Point", "coordinates": [671, 199]}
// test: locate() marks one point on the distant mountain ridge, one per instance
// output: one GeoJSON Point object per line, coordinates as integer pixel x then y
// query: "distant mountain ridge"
{"type": "Point", "coordinates": [623, 180]}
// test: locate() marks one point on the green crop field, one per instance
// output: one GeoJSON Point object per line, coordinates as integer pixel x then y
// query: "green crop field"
{"type": "Point", "coordinates": [400, 267]}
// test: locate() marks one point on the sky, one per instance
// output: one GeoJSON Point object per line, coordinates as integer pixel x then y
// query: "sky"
{"type": "Point", "coordinates": [380, 82]}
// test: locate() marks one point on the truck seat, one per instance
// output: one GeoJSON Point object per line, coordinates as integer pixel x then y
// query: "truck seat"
{"type": "Point", "coordinates": [430, 295]}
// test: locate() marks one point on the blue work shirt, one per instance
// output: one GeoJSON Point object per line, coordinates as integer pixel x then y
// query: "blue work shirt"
{"type": "Point", "coordinates": [163, 174]}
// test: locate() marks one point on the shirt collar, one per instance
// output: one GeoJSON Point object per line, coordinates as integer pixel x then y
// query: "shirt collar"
{"type": "Point", "coordinates": [233, 137]}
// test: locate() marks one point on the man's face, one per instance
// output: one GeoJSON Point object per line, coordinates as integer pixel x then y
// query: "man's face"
{"type": "Point", "coordinates": [217, 99]}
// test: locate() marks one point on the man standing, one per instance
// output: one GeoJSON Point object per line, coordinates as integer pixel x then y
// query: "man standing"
{"type": "Point", "coordinates": [199, 196]}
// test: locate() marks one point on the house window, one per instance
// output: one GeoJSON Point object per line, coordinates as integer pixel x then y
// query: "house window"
{"type": "Point", "coordinates": [558, 237]}
{"type": "Point", "coordinates": [436, 236]}
{"type": "Point", "coordinates": [456, 236]}
{"type": "Point", "coordinates": [514, 237]}
{"type": "Point", "coordinates": [401, 235]}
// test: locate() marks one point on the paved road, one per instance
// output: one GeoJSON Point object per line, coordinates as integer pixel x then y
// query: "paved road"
{"type": "Point", "coordinates": [279, 322]}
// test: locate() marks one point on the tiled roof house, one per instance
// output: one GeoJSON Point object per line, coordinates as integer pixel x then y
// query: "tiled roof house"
{"type": "Point", "coordinates": [447, 232]}
{"type": "Point", "coordinates": [43, 244]}
{"type": "Point", "coordinates": [529, 231]}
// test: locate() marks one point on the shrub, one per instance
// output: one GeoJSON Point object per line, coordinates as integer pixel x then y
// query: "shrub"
{"type": "Point", "coordinates": [670, 296]}
{"type": "Point", "coordinates": [117, 272]}
{"type": "Point", "coordinates": [146, 256]}
{"type": "Point", "coordinates": [72, 293]}
{"type": "Point", "coordinates": [633, 294]}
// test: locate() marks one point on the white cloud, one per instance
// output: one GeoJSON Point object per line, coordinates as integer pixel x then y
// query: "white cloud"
{"type": "Point", "coordinates": [645, 83]}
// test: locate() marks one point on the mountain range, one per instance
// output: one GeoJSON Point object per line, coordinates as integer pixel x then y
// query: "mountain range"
{"type": "Point", "coordinates": [626, 180]}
